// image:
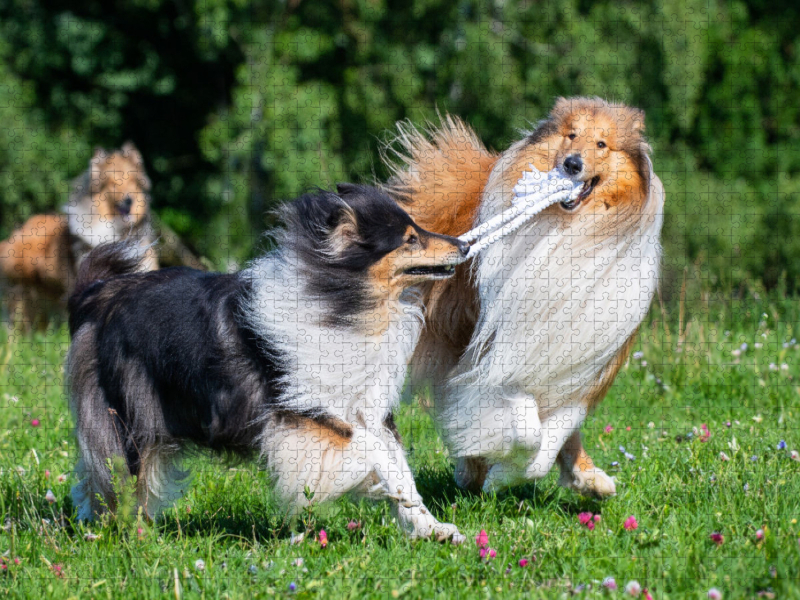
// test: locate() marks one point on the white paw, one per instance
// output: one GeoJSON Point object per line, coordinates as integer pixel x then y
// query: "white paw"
{"type": "Point", "coordinates": [420, 524]}
{"type": "Point", "coordinates": [592, 482]}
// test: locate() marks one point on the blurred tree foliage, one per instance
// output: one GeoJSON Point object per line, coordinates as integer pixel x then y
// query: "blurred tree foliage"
{"type": "Point", "coordinates": [237, 105]}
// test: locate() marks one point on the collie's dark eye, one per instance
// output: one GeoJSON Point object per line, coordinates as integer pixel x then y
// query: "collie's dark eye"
{"type": "Point", "coordinates": [412, 239]}
{"type": "Point", "coordinates": [572, 136]}
{"type": "Point", "coordinates": [601, 144]}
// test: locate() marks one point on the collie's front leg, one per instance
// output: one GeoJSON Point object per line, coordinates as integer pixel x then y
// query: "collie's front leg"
{"type": "Point", "coordinates": [395, 481]}
{"type": "Point", "coordinates": [579, 473]}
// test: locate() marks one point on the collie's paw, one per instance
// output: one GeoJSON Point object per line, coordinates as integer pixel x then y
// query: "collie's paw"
{"type": "Point", "coordinates": [420, 524]}
{"type": "Point", "coordinates": [444, 532]}
{"type": "Point", "coordinates": [592, 482]}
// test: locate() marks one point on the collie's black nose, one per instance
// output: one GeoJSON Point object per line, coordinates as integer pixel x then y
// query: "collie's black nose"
{"type": "Point", "coordinates": [573, 164]}
{"type": "Point", "coordinates": [125, 206]}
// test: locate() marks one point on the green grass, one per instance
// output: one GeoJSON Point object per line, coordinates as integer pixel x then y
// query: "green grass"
{"type": "Point", "coordinates": [679, 491]}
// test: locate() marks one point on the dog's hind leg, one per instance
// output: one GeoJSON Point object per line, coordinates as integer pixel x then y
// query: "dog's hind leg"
{"type": "Point", "coordinates": [97, 429]}
{"type": "Point", "coordinates": [578, 471]}
{"type": "Point", "coordinates": [161, 481]}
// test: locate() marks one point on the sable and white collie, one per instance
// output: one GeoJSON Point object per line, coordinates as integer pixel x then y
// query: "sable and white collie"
{"type": "Point", "coordinates": [109, 201]}
{"type": "Point", "coordinates": [299, 359]}
{"type": "Point", "coordinates": [526, 339]}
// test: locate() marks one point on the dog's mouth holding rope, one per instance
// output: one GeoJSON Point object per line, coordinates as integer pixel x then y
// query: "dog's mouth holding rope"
{"type": "Point", "coordinates": [572, 204]}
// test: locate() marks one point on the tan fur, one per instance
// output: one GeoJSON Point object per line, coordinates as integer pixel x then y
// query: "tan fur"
{"type": "Point", "coordinates": [40, 259]}
{"type": "Point", "coordinates": [440, 174]}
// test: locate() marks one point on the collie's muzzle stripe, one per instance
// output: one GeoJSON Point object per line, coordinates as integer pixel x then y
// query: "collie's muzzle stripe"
{"type": "Point", "coordinates": [534, 192]}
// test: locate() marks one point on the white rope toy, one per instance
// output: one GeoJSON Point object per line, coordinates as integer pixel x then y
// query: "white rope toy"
{"type": "Point", "coordinates": [534, 192]}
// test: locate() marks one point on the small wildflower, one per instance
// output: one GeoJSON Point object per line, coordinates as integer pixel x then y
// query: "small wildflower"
{"type": "Point", "coordinates": [597, 518]}
{"type": "Point", "coordinates": [759, 534]}
{"type": "Point", "coordinates": [34, 422]}
{"type": "Point", "coordinates": [628, 428]}
{"type": "Point", "coordinates": [608, 429]}
{"type": "Point", "coordinates": [746, 487]}
{"type": "Point", "coordinates": [773, 367]}
{"type": "Point", "coordinates": [758, 418]}
{"type": "Point", "coordinates": [743, 347]}
{"type": "Point", "coordinates": [585, 518]}
{"type": "Point", "coordinates": [487, 553]}
{"type": "Point", "coordinates": [758, 345]}
{"type": "Point", "coordinates": [90, 537]}
{"type": "Point", "coordinates": [724, 457]}
{"type": "Point", "coordinates": [736, 353]}
{"type": "Point", "coordinates": [292, 587]}
{"type": "Point", "coordinates": [523, 562]}
{"type": "Point", "coordinates": [50, 497]}
{"type": "Point", "coordinates": [353, 525]}
{"type": "Point", "coordinates": [631, 523]}
{"type": "Point", "coordinates": [298, 562]}
{"type": "Point", "coordinates": [639, 355]}
{"type": "Point", "coordinates": [784, 367]}
{"type": "Point", "coordinates": [727, 424]}
{"type": "Point", "coordinates": [614, 463]}
{"type": "Point", "coordinates": [482, 539]}
{"type": "Point", "coordinates": [590, 525]}
{"type": "Point", "coordinates": [200, 564]}
{"type": "Point", "coordinates": [646, 594]}
{"type": "Point", "coordinates": [651, 425]}
{"type": "Point", "coordinates": [717, 538]}
{"type": "Point", "coordinates": [754, 458]}
{"type": "Point", "coordinates": [58, 570]}
{"type": "Point", "coordinates": [610, 583]}
{"type": "Point", "coordinates": [252, 569]}
{"type": "Point", "coordinates": [633, 588]}
{"type": "Point", "coordinates": [644, 363]}
{"type": "Point", "coordinates": [795, 455]}
{"type": "Point", "coordinates": [323, 538]}
{"type": "Point", "coordinates": [782, 445]}
{"type": "Point", "coordinates": [46, 474]}
{"type": "Point", "coordinates": [61, 478]}
{"type": "Point", "coordinates": [714, 594]}
{"type": "Point", "coordinates": [704, 433]}
{"type": "Point", "coordinates": [140, 532]}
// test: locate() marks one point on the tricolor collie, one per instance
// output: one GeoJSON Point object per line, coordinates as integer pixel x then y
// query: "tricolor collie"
{"type": "Point", "coordinates": [299, 359]}
{"type": "Point", "coordinates": [527, 339]}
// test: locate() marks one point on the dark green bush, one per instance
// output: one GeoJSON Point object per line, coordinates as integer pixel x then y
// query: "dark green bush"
{"type": "Point", "coordinates": [238, 105]}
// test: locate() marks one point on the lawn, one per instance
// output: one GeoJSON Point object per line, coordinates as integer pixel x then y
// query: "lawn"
{"type": "Point", "coordinates": [731, 366]}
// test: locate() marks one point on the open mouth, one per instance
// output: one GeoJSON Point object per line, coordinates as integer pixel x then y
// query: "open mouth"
{"type": "Point", "coordinates": [572, 204]}
{"type": "Point", "coordinates": [438, 272]}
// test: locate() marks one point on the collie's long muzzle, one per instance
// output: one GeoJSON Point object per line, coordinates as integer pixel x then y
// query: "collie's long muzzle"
{"type": "Point", "coordinates": [446, 266]}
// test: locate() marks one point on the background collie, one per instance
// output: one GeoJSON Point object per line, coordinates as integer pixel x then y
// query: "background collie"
{"type": "Point", "coordinates": [299, 359]}
{"type": "Point", "coordinates": [110, 201]}
{"type": "Point", "coordinates": [528, 337]}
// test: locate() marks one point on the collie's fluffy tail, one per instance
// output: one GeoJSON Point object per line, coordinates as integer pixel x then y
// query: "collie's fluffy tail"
{"type": "Point", "coordinates": [109, 260]}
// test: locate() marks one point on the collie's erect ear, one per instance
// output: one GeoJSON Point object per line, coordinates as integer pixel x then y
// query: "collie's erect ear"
{"type": "Point", "coordinates": [96, 164]}
{"type": "Point", "coordinates": [344, 234]}
{"type": "Point", "coordinates": [561, 108]}
{"type": "Point", "coordinates": [637, 119]}
{"type": "Point", "coordinates": [131, 152]}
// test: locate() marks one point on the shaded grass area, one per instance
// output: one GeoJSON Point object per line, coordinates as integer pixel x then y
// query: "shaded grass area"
{"type": "Point", "coordinates": [730, 362]}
